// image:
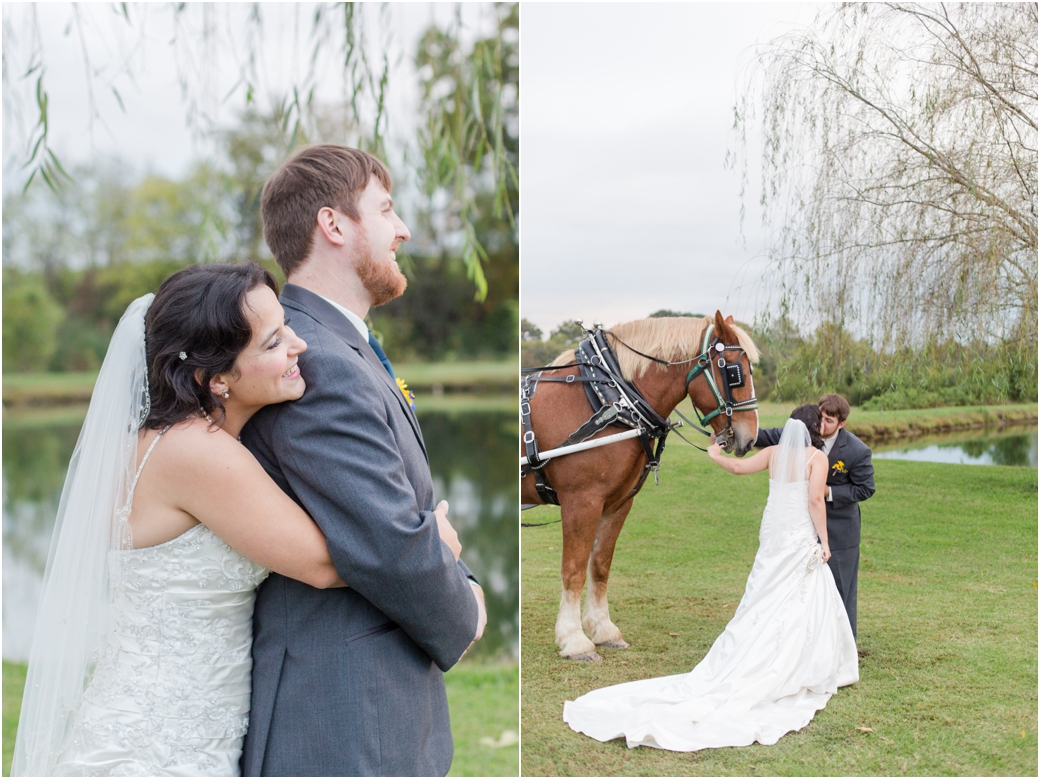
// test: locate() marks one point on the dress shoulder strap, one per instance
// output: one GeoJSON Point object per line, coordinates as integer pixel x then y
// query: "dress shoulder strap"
{"type": "Point", "coordinates": [133, 484]}
{"type": "Point", "coordinates": [811, 458]}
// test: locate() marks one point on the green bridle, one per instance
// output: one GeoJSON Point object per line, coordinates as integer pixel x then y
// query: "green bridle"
{"type": "Point", "coordinates": [732, 374]}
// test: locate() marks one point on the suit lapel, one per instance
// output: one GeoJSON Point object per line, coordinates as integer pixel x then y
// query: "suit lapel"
{"type": "Point", "coordinates": [327, 314]}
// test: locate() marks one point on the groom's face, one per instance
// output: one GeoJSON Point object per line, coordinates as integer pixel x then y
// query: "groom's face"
{"type": "Point", "coordinates": [829, 425]}
{"type": "Point", "coordinates": [377, 237]}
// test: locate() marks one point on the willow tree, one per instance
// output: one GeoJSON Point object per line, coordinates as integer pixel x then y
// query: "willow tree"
{"type": "Point", "coordinates": [899, 169]}
{"type": "Point", "coordinates": [353, 44]}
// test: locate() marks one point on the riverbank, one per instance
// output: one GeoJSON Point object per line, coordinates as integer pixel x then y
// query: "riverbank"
{"type": "Point", "coordinates": [482, 698]}
{"type": "Point", "coordinates": [883, 425]}
{"type": "Point", "coordinates": [435, 378]}
{"type": "Point", "coordinates": [947, 617]}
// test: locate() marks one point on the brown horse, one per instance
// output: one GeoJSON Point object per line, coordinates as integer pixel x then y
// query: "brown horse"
{"type": "Point", "coordinates": [595, 487]}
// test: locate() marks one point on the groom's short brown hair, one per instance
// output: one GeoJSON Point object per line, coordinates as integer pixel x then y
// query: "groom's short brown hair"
{"type": "Point", "coordinates": [324, 174]}
{"type": "Point", "coordinates": [835, 406]}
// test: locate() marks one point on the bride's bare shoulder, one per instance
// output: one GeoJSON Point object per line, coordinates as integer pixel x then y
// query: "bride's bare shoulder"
{"type": "Point", "coordinates": [195, 440]}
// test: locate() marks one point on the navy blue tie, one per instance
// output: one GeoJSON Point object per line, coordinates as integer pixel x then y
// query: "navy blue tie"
{"type": "Point", "coordinates": [381, 354]}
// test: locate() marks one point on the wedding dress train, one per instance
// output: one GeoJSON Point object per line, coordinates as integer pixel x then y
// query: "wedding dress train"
{"type": "Point", "coordinates": [786, 651]}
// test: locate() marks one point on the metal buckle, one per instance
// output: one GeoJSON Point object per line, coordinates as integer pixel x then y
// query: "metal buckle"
{"type": "Point", "coordinates": [526, 413]}
{"type": "Point", "coordinates": [570, 379]}
{"type": "Point", "coordinates": [531, 439]}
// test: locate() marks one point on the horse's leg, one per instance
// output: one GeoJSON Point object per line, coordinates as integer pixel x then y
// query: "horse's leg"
{"type": "Point", "coordinates": [580, 520]}
{"type": "Point", "coordinates": [596, 619]}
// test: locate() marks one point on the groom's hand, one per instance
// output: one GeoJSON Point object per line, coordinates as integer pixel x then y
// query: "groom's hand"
{"type": "Point", "coordinates": [447, 532]}
{"type": "Point", "coordinates": [478, 593]}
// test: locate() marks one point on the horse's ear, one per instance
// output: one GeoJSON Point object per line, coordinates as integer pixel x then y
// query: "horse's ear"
{"type": "Point", "coordinates": [722, 330]}
{"type": "Point", "coordinates": [729, 319]}
{"type": "Point", "coordinates": [720, 323]}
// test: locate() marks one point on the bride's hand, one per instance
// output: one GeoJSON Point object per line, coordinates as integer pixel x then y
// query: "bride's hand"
{"type": "Point", "coordinates": [826, 549]}
{"type": "Point", "coordinates": [448, 534]}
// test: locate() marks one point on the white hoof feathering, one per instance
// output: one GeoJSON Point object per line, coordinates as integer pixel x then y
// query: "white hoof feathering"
{"type": "Point", "coordinates": [569, 637]}
{"type": "Point", "coordinates": [596, 619]}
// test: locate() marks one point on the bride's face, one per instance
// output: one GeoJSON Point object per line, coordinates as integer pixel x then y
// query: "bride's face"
{"type": "Point", "coordinates": [266, 371]}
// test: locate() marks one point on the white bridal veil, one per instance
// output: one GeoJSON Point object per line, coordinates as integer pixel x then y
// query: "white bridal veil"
{"type": "Point", "coordinates": [71, 626]}
{"type": "Point", "coordinates": [792, 454]}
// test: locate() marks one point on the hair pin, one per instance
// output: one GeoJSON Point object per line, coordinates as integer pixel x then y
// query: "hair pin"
{"type": "Point", "coordinates": [183, 355]}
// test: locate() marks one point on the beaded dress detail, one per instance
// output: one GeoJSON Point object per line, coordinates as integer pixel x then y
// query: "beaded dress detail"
{"type": "Point", "coordinates": [787, 649]}
{"type": "Point", "coordinates": [170, 693]}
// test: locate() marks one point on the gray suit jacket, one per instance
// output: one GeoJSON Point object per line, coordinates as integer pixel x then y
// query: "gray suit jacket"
{"type": "Point", "coordinates": [349, 682]}
{"type": "Point", "coordinates": [851, 482]}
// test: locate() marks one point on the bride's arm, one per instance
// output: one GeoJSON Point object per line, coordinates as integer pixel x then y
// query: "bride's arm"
{"type": "Point", "coordinates": [215, 479]}
{"type": "Point", "coordinates": [817, 507]}
{"type": "Point", "coordinates": [758, 462]}
{"type": "Point", "coordinates": [224, 487]}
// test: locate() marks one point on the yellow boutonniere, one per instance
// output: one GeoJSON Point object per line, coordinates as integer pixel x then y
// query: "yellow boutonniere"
{"type": "Point", "coordinates": [839, 467]}
{"type": "Point", "coordinates": [409, 396]}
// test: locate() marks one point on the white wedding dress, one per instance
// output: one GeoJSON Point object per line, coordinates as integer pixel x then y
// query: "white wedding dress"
{"type": "Point", "coordinates": [786, 651]}
{"type": "Point", "coordinates": [170, 693]}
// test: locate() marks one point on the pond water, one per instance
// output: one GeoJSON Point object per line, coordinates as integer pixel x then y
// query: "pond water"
{"type": "Point", "coordinates": [472, 458]}
{"type": "Point", "coordinates": [1013, 445]}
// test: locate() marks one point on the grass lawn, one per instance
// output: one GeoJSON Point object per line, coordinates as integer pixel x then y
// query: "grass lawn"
{"type": "Point", "coordinates": [482, 698]}
{"type": "Point", "coordinates": [947, 613]}
{"type": "Point", "coordinates": [14, 681]}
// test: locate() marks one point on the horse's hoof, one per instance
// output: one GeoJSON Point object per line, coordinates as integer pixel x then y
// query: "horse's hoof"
{"type": "Point", "coordinates": [618, 643]}
{"type": "Point", "coordinates": [587, 657]}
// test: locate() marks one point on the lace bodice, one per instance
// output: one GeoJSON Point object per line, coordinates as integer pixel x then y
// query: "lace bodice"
{"type": "Point", "coordinates": [170, 693]}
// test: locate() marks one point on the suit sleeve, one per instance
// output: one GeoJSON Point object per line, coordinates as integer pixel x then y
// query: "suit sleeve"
{"type": "Point", "coordinates": [768, 436]}
{"type": "Point", "coordinates": [340, 457]}
{"type": "Point", "coordinates": [860, 485]}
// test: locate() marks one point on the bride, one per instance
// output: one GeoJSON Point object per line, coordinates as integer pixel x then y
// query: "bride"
{"type": "Point", "coordinates": [140, 662]}
{"type": "Point", "coordinates": [786, 651]}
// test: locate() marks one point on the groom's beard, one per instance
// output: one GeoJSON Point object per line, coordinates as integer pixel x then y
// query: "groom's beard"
{"type": "Point", "coordinates": [382, 280]}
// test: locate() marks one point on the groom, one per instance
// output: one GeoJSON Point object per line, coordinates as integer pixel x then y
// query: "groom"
{"type": "Point", "coordinates": [349, 682]}
{"type": "Point", "coordinates": [850, 480]}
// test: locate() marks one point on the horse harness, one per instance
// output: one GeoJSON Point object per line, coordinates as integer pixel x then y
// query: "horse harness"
{"type": "Point", "coordinates": [616, 401]}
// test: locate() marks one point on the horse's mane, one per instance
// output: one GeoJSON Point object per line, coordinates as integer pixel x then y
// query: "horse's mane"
{"type": "Point", "coordinates": [667, 338]}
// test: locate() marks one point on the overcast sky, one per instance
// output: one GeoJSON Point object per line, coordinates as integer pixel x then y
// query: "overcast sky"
{"type": "Point", "coordinates": [625, 118]}
{"type": "Point", "coordinates": [152, 133]}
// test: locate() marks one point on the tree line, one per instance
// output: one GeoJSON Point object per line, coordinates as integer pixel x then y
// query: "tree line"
{"type": "Point", "coordinates": [799, 367]}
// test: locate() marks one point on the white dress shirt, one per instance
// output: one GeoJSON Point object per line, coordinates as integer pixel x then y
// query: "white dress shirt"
{"type": "Point", "coordinates": [828, 443]}
{"type": "Point", "coordinates": [353, 318]}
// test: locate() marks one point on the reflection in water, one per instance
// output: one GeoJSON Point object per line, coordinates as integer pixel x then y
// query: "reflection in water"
{"type": "Point", "coordinates": [1014, 446]}
{"type": "Point", "coordinates": [471, 457]}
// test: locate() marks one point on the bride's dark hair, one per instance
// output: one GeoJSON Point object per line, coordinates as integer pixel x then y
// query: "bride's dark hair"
{"type": "Point", "coordinates": [198, 312]}
{"type": "Point", "coordinates": [809, 415]}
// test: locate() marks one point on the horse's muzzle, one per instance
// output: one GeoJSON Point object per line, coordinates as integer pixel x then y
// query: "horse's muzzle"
{"type": "Point", "coordinates": [730, 442]}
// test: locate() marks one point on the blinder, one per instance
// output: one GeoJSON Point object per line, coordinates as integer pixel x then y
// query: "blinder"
{"type": "Point", "coordinates": [733, 372]}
